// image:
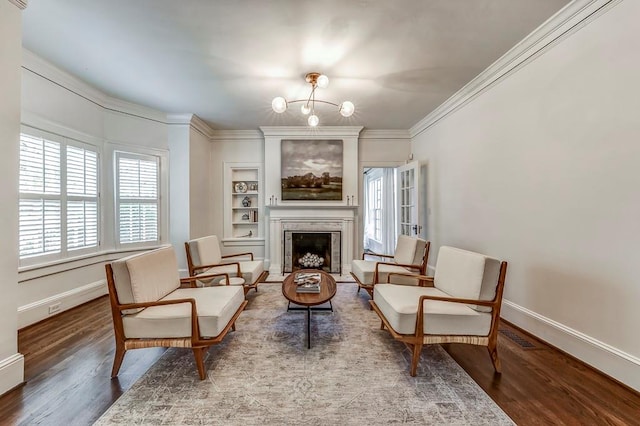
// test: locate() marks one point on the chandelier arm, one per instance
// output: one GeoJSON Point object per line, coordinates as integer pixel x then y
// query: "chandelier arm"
{"type": "Point", "coordinates": [317, 100]}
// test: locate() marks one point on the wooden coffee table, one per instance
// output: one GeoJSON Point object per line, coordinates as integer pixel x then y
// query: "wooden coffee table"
{"type": "Point", "coordinates": [307, 300]}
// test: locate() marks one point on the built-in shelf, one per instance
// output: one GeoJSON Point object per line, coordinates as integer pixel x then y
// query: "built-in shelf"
{"type": "Point", "coordinates": [243, 203]}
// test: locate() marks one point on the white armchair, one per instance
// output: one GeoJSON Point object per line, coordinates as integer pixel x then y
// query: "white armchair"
{"type": "Point", "coordinates": [150, 309]}
{"type": "Point", "coordinates": [204, 257]}
{"type": "Point", "coordinates": [411, 255]}
{"type": "Point", "coordinates": [462, 306]}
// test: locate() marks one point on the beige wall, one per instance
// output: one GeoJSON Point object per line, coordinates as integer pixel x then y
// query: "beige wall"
{"type": "Point", "coordinates": [542, 170]}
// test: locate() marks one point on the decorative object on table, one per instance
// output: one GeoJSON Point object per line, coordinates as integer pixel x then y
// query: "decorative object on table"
{"type": "Point", "coordinates": [240, 187]}
{"type": "Point", "coordinates": [308, 283]}
{"type": "Point", "coordinates": [245, 216]}
{"type": "Point", "coordinates": [246, 201]}
{"type": "Point", "coordinates": [311, 261]}
{"type": "Point", "coordinates": [311, 169]}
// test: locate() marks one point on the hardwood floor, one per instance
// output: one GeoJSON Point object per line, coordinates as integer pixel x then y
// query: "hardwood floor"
{"type": "Point", "coordinates": [68, 364]}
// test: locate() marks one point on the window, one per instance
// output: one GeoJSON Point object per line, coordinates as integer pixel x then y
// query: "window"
{"type": "Point", "coordinates": [58, 208]}
{"type": "Point", "coordinates": [137, 198]}
{"type": "Point", "coordinates": [373, 213]}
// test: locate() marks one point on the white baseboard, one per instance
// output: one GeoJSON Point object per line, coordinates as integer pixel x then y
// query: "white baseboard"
{"type": "Point", "coordinates": [39, 310]}
{"type": "Point", "coordinates": [11, 372]}
{"type": "Point", "coordinates": [611, 361]}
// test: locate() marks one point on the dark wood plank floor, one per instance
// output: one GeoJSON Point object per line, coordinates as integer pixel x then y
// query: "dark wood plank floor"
{"type": "Point", "coordinates": [68, 363]}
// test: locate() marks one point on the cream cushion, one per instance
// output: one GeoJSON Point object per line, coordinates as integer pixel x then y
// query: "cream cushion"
{"type": "Point", "coordinates": [466, 274]}
{"type": "Point", "coordinates": [409, 250]}
{"type": "Point", "coordinates": [146, 277]}
{"type": "Point", "coordinates": [399, 305]}
{"type": "Point", "coordinates": [206, 251]}
{"type": "Point", "coordinates": [215, 308]}
{"type": "Point", "coordinates": [364, 269]}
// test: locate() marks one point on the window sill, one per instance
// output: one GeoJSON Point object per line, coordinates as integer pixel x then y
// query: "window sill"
{"type": "Point", "coordinates": [31, 272]}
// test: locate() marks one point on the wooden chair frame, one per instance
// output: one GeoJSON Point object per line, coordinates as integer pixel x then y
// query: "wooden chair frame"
{"type": "Point", "coordinates": [193, 269]}
{"type": "Point", "coordinates": [416, 341]}
{"type": "Point", "coordinates": [420, 269]}
{"type": "Point", "coordinates": [198, 345]}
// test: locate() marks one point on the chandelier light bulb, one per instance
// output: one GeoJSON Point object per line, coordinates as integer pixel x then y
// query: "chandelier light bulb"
{"type": "Point", "coordinates": [313, 120]}
{"type": "Point", "coordinates": [279, 104]}
{"type": "Point", "coordinates": [347, 109]}
{"type": "Point", "coordinates": [305, 109]}
{"type": "Point", "coordinates": [323, 81]}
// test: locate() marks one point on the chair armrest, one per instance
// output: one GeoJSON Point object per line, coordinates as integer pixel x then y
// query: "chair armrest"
{"type": "Point", "coordinates": [388, 256]}
{"type": "Point", "coordinates": [238, 254]}
{"type": "Point", "coordinates": [195, 330]}
{"type": "Point", "coordinates": [421, 278]}
{"type": "Point", "coordinates": [193, 280]}
{"type": "Point", "coordinates": [156, 303]}
{"type": "Point", "coordinates": [410, 275]}
{"type": "Point", "coordinates": [216, 265]}
{"type": "Point", "coordinates": [489, 303]}
{"type": "Point", "coordinates": [420, 316]}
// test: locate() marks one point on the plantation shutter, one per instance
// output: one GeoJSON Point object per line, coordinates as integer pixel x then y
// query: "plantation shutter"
{"type": "Point", "coordinates": [137, 198]}
{"type": "Point", "coordinates": [82, 198]}
{"type": "Point", "coordinates": [40, 230]}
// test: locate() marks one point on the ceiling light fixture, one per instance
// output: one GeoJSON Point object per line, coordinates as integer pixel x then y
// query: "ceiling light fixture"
{"type": "Point", "coordinates": [316, 80]}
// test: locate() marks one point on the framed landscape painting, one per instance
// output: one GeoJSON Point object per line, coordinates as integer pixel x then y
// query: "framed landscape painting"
{"type": "Point", "coordinates": [311, 169]}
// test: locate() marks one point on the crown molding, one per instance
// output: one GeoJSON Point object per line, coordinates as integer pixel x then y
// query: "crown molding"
{"type": "Point", "coordinates": [219, 135]}
{"type": "Point", "coordinates": [385, 134]}
{"type": "Point", "coordinates": [45, 69]}
{"type": "Point", "coordinates": [564, 23]}
{"type": "Point", "coordinates": [311, 131]}
{"type": "Point", "coordinates": [20, 4]}
{"type": "Point", "coordinates": [193, 121]}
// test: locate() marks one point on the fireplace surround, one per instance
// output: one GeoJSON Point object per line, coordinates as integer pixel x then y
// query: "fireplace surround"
{"type": "Point", "coordinates": [338, 223]}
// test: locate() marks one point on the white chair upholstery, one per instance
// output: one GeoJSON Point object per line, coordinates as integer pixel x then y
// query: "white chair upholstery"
{"type": "Point", "coordinates": [411, 255]}
{"type": "Point", "coordinates": [205, 257]}
{"type": "Point", "coordinates": [463, 306]}
{"type": "Point", "coordinates": [150, 307]}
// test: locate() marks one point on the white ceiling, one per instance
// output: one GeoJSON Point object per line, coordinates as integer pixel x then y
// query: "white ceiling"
{"type": "Point", "coordinates": [225, 60]}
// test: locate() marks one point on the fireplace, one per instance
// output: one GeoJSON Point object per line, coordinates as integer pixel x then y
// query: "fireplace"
{"type": "Point", "coordinates": [312, 250]}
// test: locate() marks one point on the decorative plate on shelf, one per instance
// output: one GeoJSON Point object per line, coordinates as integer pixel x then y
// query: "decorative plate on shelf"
{"type": "Point", "coordinates": [240, 187]}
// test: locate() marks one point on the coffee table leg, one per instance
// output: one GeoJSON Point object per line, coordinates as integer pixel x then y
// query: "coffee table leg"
{"type": "Point", "coordinates": [308, 327]}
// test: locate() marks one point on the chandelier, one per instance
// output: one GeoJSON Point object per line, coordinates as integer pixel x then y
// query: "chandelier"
{"type": "Point", "coordinates": [315, 79]}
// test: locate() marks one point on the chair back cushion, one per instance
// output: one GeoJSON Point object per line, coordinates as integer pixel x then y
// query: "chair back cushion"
{"type": "Point", "coordinates": [409, 250]}
{"type": "Point", "coordinates": [205, 251]}
{"type": "Point", "coordinates": [146, 277]}
{"type": "Point", "coordinates": [459, 272]}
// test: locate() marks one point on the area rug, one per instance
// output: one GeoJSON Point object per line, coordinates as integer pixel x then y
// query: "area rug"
{"type": "Point", "coordinates": [263, 374]}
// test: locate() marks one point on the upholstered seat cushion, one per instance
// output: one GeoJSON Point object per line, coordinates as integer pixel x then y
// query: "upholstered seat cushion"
{"type": "Point", "coordinates": [364, 269]}
{"type": "Point", "coordinates": [215, 305]}
{"type": "Point", "coordinates": [399, 305]}
{"type": "Point", "coordinates": [250, 269]}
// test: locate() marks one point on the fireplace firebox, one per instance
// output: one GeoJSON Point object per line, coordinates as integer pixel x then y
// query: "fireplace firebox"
{"type": "Point", "coordinates": [312, 250]}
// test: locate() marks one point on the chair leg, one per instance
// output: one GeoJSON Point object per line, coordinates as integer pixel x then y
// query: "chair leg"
{"type": "Point", "coordinates": [117, 359]}
{"type": "Point", "coordinates": [381, 325]}
{"type": "Point", "coordinates": [358, 292]}
{"type": "Point", "coordinates": [198, 354]}
{"type": "Point", "coordinates": [417, 349]}
{"type": "Point", "coordinates": [233, 326]}
{"type": "Point", "coordinates": [493, 353]}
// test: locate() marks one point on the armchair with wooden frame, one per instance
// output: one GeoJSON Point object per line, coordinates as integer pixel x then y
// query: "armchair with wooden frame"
{"type": "Point", "coordinates": [459, 304]}
{"type": "Point", "coordinates": [205, 257]}
{"type": "Point", "coordinates": [151, 308]}
{"type": "Point", "coordinates": [411, 256]}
